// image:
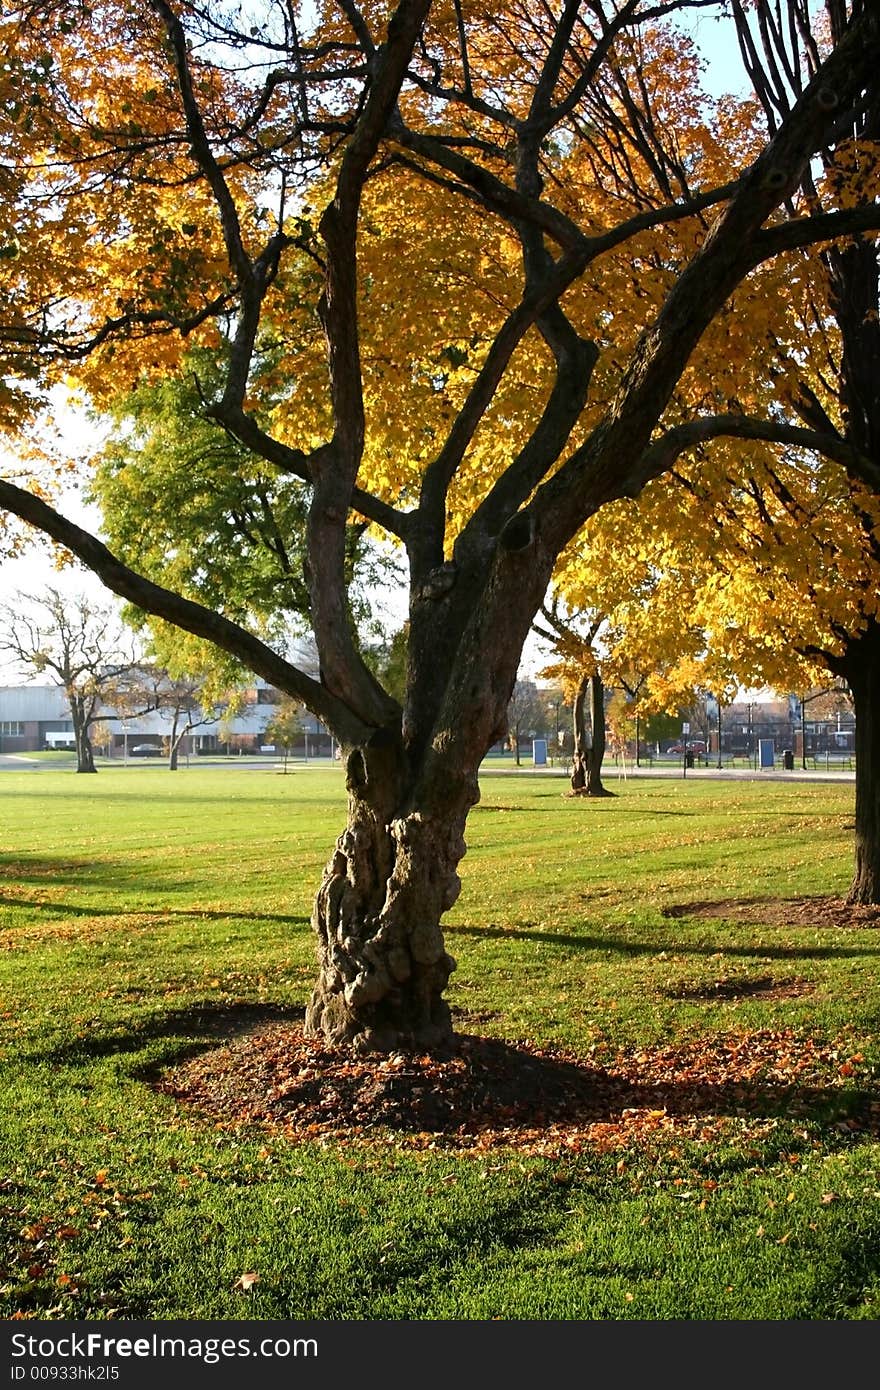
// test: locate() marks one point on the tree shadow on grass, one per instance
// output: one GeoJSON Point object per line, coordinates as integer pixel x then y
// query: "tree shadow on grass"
{"type": "Point", "coordinates": [608, 943]}
{"type": "Point", "coordinates": [63, 909]}
{"type": "Point", "coordinates": [188, 1030]}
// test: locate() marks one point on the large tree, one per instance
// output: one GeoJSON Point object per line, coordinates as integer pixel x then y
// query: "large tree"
{"type": "Point", "coordinates": [779, 534]}
{"type": "Point", "coordinates": [836, 399]}
{"type": "Point", "coordinates": [471, 260]}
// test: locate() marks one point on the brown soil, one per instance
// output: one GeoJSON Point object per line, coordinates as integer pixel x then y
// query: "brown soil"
{"type": "Point", "coordinates": [485, 1092]}
{"type": "Point", "coordinates": [784, 912]}
{"type": "Point", "coordinates": [764, 987]}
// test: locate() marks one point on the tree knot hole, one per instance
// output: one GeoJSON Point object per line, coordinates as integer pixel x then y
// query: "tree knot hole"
{"type": "Point", "coordinates": [775, 178]}
{"type": "Point", "coordinates": [519, 532]}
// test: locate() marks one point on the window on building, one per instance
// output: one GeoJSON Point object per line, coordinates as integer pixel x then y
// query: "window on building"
{"type": "Point", "coordinates": [11, 728]}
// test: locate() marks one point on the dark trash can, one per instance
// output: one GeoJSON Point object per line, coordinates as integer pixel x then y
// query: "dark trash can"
{"type": "Point", "coordinates": [788, 760]}
{"type": "Point", "coordinates": [688, 759]}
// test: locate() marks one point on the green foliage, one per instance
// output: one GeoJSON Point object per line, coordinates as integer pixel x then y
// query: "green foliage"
{"type": "Point", "coordinates": [190, 507]}
{"type": "Point", "coordinates": [656, 728]}
{"type": "Point", "coordinates": [285, 727]}
{"type": "Point", "coordinates": [387, 659]}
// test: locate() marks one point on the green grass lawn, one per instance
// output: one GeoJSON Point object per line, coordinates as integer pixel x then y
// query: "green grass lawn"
{"type": "Point", "coordinates": [141, 913]}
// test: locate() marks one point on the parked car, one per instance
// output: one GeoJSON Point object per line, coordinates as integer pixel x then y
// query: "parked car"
{"type": "Point", "coordinates": [146, 750]}
{"type": "Point", "coordinates": [694, 745]}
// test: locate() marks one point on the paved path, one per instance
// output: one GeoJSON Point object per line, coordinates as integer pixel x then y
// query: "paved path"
{"type": "Point", "coordinates": [611, 774]}
{"type": "Point", "coordinates": [20, 762]}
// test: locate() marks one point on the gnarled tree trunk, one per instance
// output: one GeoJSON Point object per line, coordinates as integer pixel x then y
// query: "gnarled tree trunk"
{"type": "Point", "coordinates": [383, 963]}
{"type": "Point", "coordinates": [589, 738]}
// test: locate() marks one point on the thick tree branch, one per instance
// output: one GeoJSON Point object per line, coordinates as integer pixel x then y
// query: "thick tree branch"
{"type": "Point", "coordinates": [184, 613]}
{"type": "Point", "coordinates": [611, 463]}
{"type": "Point", "coordinates": [245, 429]}
{"type": "Point", "coordinates": [663, 452]}
{"type": "Point", "coordinates": [809, 231]}
{"type": "Point", "coordinates": [200, 145]}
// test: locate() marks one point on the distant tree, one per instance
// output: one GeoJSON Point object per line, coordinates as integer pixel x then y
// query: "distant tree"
{"type": "Point", "coordinates": [620, 723]}
{"type": "Point", "coordinates": [186, 701]}
{"type": "Point", "coordinates": [576, 635]}
{"type": "Point", "coordinates": [660, 726]}
{"type": "Point", "coordinates": [525, 714]}
{"type": "Point", "coordinates": [80, 644]}
{"type": "Point", "coordinates": [285, 727]}
{"type": "Point", "coordinates": [182, 700]}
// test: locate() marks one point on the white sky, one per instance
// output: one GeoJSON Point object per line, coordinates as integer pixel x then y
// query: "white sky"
{"type": "Point", "coordinates": [36, 569]}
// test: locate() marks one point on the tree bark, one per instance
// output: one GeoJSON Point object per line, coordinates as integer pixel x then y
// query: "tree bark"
{"type": "Point", "coordinates": [174, 743]}
{"type": "Point", "coordinates": [383, 966]}
{"type": "Point", "coordinates": [589, 738]}
{"type": "Point", "coordinates": [85, 757]}
{"type": "Point", "coordinates": [861, 666]}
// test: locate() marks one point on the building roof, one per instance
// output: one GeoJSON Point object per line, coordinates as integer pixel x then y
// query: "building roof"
{"type": "Point", "coordinates": [38, 703]}
{"type": "Point", "coordinates": [48, 704]}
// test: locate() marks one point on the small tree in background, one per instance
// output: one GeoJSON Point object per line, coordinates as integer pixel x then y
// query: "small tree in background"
{"type": "Point", "coordinates": [80, 645]}
{"type": "Point", "coordinates": [525, 715]}
{"type": "Point", "coordinates": [285, 728]}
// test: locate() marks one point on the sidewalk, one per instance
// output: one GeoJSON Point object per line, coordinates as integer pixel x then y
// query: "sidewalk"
{"type": "Point", "coordinates": [613, 773]}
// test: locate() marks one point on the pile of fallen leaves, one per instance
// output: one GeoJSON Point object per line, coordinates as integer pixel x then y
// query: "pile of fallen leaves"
{"type": "Point", "coordinates": [818, 910]}
{"type": "Point", "coordinates": [484, 1092]}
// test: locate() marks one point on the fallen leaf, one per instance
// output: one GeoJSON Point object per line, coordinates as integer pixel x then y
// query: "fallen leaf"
{"type": "Point", "coordinates": [246, 1282]}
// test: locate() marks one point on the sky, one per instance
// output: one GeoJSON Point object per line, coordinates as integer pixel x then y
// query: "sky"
{"type": "Point", "coordinates": [37, 569]}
